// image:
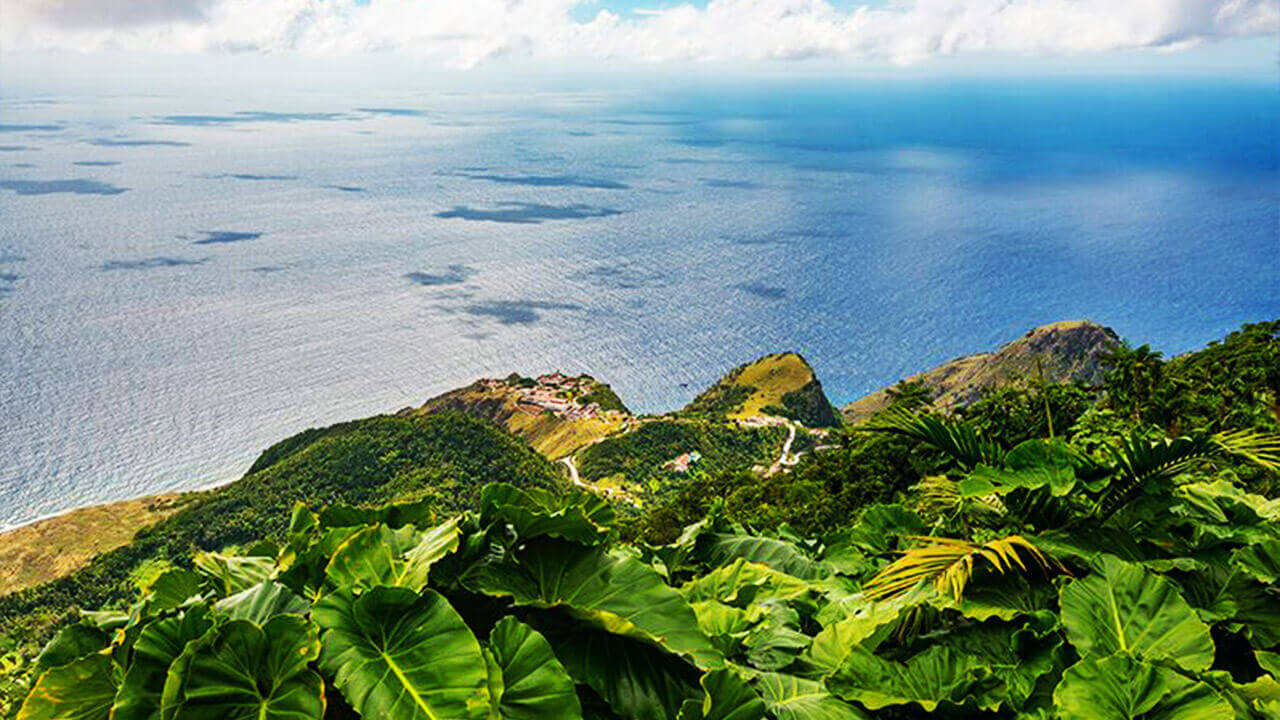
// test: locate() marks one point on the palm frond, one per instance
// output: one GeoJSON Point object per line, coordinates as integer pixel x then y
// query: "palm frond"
{"type": "Point", "coordinates": [949, 563]}
{"type": "Point", "coordinates": [1142, 462]}
{"type": "Point", "coordinates": [1257, 447]}
{"type": "Point", "coordinates": [956, 438]}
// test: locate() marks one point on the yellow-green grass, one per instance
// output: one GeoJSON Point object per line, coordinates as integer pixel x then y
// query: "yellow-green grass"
{"type": "Point", "coordinates": [48, 549]}
{"type": "Point", "coordinates": [772, 377]}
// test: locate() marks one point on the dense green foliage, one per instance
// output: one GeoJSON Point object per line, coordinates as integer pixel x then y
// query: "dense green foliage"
{"type": "Point", "coordinates": [718, 401]}
{"type": "Point", "coordinates": [1054, 552]}
{"type": "Point", "coordinates": [440, 458]}
{"type": "Point", "coordinates": [1026, 582]}
{"type": "Point", "coordinates": [604, 396]}
{"type": "Point", "coordinates": [639, 456]}
{"type": "Point", "coordinates": [808, 406]}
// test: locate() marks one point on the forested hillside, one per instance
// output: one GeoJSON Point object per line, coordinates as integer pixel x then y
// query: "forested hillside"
{"type": "Point", "coordinates": [1082, 550]}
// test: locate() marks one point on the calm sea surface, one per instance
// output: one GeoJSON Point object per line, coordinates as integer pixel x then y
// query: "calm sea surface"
{"type": "Point", "coordinates": [187, 279]}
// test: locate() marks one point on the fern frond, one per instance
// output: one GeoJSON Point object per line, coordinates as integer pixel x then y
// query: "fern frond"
{"type": "Point", "coordinates": [949, 563]}
{"type": "Point", "coordinates": [956, 438]}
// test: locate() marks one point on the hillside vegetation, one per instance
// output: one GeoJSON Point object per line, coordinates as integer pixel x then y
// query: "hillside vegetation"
{"type": "Point", "coordinates": [441, 460]}
{"type": "Point", "coordinates": [1045, 551]}
{"type": "Point", "coordinates": [1027, 582]}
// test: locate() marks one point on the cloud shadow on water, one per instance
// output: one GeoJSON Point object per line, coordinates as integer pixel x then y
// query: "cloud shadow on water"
{"type": "Point", "coordinates": [251, 177]}
{"type": "Point", "coordinates": [621, 277]}
{"type": "Point", "coordinates": [219, 237]}
{"type": "Point", "coordinates": [29, 128]}
{"type": "Point", "coordinates": [759, 289]}
{"type": "Point", "coordinates": [393, 112]}
{"type": "Point", "coordinates": [49, 187]}
{"type": "Point", "coordinates": [247, 116]}
{"type": "Point", "coordinates": [454, 275]}
{"type": "Point", "coordinates": [735, 184]}
{"type": "Point", "coordinates": [516, 312]}
{"type": "Point", "coordinates": [112, 142]}
{"type": "Point", "coordinates": [527, 213]}
{"type": "Point", "coordinates": [551, 181]}
{"type": "Point", "coordinates": [151, 262]}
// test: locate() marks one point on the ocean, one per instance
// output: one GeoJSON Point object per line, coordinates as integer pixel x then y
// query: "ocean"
{"type": "Point", "coordinates": [186, 278]}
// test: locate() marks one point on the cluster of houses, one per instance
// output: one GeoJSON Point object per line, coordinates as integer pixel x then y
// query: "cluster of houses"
{"type": "Point", "coordinates": [554, 392]}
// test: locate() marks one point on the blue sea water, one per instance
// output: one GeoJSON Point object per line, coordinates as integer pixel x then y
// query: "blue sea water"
{"type": "Point", "coordinates": [185, 279]}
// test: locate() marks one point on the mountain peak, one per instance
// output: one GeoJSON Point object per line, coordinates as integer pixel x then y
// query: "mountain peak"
{"type": "Point", "coordinates": [1064, 351]}
{"type": "Point", "coordinates": [775, 385]}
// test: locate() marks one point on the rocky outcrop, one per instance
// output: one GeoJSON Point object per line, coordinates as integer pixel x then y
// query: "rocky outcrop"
{"type": "Point", "coordinates": [1069, 351]}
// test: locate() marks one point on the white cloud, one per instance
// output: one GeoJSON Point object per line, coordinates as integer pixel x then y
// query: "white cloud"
{"type": "Point", "coordinates": [467, 32]}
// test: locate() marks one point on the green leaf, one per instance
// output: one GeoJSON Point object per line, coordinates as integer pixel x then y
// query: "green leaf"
{"type": "Point", "coordinates": [718, 549]}
{"type": "Point", "coordinates": [880, 526]}
{"type": "Point", "coordinates": [937, 675]}
{"type": "Point", "coordinates": [371, 557]}
{"type": "Point", "coordinates": [159, 644]}
{"type": "Point", "coordinates": [80, 690]}
{"type": "Point", "coordinates": [71, 643]}
{"type": "Point", "coordinates": [1261, 561]}
{"type": "Point", "coordinates": [396, 655]}
{"type": "Point", "coordinates": [743, 583]}
{"type": "Point", "coordinates": [262, 602]}
{"type": "Point", "coordinates": [395, 515]}
{"type": "Point", "coordinates": [173, 588]}
{"type": "Point", "coordinates": [246, 672]}
{"type": "Point", "coordinates": [1120, 687]}
{"type": "Point", "coordinates": [725, 697]}
{"type": "Point", "coordinates": [636, 679]}
{"type": "Point", "coordinates": [868, 627]}
{"type": "Point", "coordinates": [534, 683]}
{"type": "Point", "coordinates": [614, 591]}
{"type": "Point", "coordinates": [791, 698]}
{"type": "Point", "coordinates": [230, 574]}
{"type": "Point", "coordinates": [576, 515]}
{"type": "Point", "coordinates": [1126, 608]}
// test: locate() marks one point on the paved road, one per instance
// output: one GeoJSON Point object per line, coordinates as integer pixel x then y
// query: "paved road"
{"type": "Point", "coordinates": [786, 450]}
{"type": "Point", "coordinates": [573, 469]}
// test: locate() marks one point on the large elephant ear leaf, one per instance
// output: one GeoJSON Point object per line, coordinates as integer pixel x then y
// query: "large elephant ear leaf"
{"type": "Point", "coordinates": [379, 555]}
{"type": "Point", "coordinates": [173, 588]}
{"type": "Point", "coordinates": [1120, 687]}
{"type": "Point", "coordinates": [397, 655]}
{"type": "Point", "coordinates": [725, 697]}
{"type": "Point", "coordinates": [262, 602]}
{"type": "Point", "coordinates": [79, 690]}
{"type": "Point", "coordinates": [246, 672]}
{"type": "Point", "coordinates": [792, 698]}
{"type": "Point", "coordinates": [159, 644]}
{"type": "Point", "coordinates": [230, 574]}
{"type": "Point", "coordinates": [636, 679]}
{"type": "Point", "coordinates": [72, 643]}
{"type": "Point", "coordinates": [1260, 561]}
{"type": "Point", "coordinates": [1125, 608]}
{"type": "Point", "coordinates": [576, 515]}
{"type": "Point", "coordinates": [534, 683]}
{"type": "Point", "coordinates": [371, 557]}
{"type": "Point", "coordinates": [613, 591]}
